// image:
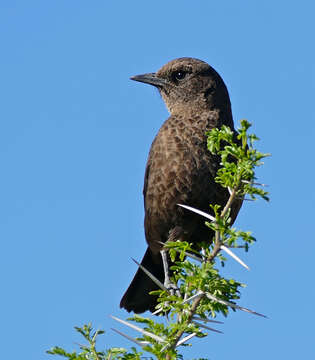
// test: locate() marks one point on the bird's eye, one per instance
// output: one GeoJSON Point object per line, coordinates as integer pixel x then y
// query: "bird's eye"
{"type": "Point", "coordinates": [179, 75]}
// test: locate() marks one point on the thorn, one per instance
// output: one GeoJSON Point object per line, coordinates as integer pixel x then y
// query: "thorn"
{"type": "Point", "coordinates": [161, 243]}
{"type": "Point", "coordinates": [202, 213]}
{"type": "Point", "coordinates": [236, 246]}
{"type": "Point", "coordinates": [207, 327]}
{"type": "Point", "coordinates": [165, 347]}
{"type": "Point", "coordinates": [228, 303]}
{"type": "Point", "coordinates": [227, 250]}
{"type": "Point", "coordinates": [253, 183]}
{"type": "Point", "coordinates": [193, 256]}
{"type": "Point", "coordinates": [157, 311]}
{"type": "Point", "coordinates": [207, 320]}
{"type": "Point", "coordinates": [140, 343]}
{"type": "Point", "coordinates": [199, 293]}
{"type": "Point", "coordinates": [185, 339]}
{"type": "Point", "coordinates": [144, 332]}
{"type": "Point", "coordinates": [152, 277]}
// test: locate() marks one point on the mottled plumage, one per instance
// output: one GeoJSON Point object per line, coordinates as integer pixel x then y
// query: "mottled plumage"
{"type": "Point", "coordinates": [180, 169]}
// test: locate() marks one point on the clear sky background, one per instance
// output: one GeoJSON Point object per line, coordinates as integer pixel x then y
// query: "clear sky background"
{"type": "Point", "coordinates": [74, 137]}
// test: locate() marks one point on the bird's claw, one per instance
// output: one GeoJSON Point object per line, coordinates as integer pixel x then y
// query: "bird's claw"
{"type": "Point", "coordinates": [171, 287]}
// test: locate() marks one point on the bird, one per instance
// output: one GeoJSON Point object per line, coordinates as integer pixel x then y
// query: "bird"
{"type": "Point", "coordinates": [180, 169]}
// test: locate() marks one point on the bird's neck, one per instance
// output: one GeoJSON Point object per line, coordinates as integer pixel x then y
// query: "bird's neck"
{"type": "Point", "coordinates": [206, 118]}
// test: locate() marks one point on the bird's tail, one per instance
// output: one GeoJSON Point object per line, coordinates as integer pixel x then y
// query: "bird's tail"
{"type": "Point", "coordinates": [137, 297]}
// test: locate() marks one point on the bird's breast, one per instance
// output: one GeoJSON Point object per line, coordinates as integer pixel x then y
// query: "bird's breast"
{"type": "Point", "coordinates": [179, 166]}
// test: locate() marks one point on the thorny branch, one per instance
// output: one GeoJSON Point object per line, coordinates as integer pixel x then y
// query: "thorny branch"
{"type": "Point", "coordinates": [214, 253]}
{"type": "Point", "coordinates": [203, 291]}
{"type": "Point", "coordinates": [238, 177]}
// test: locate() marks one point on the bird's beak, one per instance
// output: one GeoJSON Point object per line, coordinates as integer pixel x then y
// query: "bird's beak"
{"type": "Point", "coordinates": [151, 79]}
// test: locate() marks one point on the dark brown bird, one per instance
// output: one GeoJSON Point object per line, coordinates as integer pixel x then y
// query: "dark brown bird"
{"type": "Point", "coordinates": [180, 169]}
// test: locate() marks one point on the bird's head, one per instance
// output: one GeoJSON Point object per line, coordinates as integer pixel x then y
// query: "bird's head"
{"type": "Point", "coordinates": [187, 84]}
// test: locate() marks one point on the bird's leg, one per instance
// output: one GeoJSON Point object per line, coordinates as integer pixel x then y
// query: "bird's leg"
{"type": "Point", "coordinates": [167, 281]}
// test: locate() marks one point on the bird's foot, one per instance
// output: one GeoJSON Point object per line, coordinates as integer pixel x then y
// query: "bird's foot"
{"type": "Point", "coordinates": [171, 287]}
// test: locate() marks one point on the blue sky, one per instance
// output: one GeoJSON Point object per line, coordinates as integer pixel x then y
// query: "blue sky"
{"type": "Point", "coordinates": [74, 137]}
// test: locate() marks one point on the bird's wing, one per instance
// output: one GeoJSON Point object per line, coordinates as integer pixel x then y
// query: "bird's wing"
{"type": "Point", "coordinates": [146, 176]}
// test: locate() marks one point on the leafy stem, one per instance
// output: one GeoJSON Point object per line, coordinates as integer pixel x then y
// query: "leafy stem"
{"type": "Point", "coordinates": [202, 293]}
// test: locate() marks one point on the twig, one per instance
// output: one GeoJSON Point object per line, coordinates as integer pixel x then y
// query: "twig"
{"type": "Point", "coordinates": [229, 203]}
{"type": "Point", "coordinates": [191, 313]}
